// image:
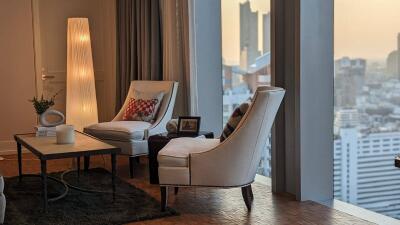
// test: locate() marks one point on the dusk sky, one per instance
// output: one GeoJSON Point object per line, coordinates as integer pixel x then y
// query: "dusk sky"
{"type": "Point", "coordinates": [366, 28]}
{"type": "Point", "coordinates": [363, 28]}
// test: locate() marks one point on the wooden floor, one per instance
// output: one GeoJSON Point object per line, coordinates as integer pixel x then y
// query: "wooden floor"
{"type": "Point", "coordinates": [204, 205]}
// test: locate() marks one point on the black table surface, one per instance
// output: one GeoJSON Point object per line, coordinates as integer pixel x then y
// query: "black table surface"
{"type": "Point", "coordinates": [157, 142]}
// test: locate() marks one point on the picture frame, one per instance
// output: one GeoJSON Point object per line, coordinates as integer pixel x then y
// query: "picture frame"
{"type": "Point", "coordinates": [188, 125]}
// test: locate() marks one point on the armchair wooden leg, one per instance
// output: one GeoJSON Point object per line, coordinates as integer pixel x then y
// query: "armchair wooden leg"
{"type": "Point", "coordinates": [86, 164]}
{"type": "Point", "coordinates": [247, 194]}
{"type": "Point", "coordinates": [176, 190]}
{"type": "Point", "coordinates": [137, 159]}
{"type": "Point", "coordinates": [251, 193]}
{"type": "Point", "coordinates": [131, 162]}
{"type": "Point", "coordinates": [164, 198]}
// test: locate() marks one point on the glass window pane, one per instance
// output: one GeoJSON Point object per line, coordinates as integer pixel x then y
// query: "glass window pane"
{"type": "Point", "coordinates": [246, 47]}
{"type": "Point", "coordinates": [367, 104]}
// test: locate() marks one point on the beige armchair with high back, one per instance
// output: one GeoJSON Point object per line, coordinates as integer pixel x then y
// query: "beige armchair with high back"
{"type": "Point", "coordinates": [188, 162]}
{"type": "Point", "coordinates": [131, 136]}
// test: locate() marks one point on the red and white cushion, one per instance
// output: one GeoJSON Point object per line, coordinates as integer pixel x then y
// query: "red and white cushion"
{"type": "Point", "coordinates": [141, 110]}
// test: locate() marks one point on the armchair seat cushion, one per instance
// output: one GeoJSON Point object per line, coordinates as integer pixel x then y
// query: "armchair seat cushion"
{"type": "Point", "coordinates": [176, 152]}
{"type": "Point", "coordinates": [125, 131]}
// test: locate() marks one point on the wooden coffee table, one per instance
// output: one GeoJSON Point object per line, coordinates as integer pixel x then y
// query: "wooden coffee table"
{"type": "Point", "coordinates": [45, 148]}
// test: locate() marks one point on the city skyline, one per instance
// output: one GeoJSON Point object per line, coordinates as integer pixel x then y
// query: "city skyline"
{"type": "Point", "coordinates": [230, 19]}
{"type": "Point", "coordinates": [363, 28]}
{"type": "Point", "coordinates": [366, 98]}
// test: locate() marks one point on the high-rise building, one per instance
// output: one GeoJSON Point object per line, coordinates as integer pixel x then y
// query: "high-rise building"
{"type": "Point", "coordinates": [266, 33]}
{"type": "Point", "coordinates": [364, 172]}
{"type": "Point", "coordinates": [227, 77]}
{"type": "Point", "coordinates": [346, 118]}
{"type": "Point", "coordinates": [248, 35]}
{"type": "Point", "coordinates": [391, 63]}
{"type": "Point", "coordinates": [393, 60]}
{"type": "Point", "coordinates": [398, 55]}
{"type": "Point", "coordinates": [345, 176]}
{"type": "Point", "coordinates": [349, 80]}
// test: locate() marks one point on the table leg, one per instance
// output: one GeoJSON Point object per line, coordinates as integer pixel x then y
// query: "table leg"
{"type": "Point", "coordinates": [113, 171]}
{"type": "Point", "coordinates": [19, 149]}
{"type": "Point", "coordinates": [86, 163]}
{"type": "Point", "coordinates": [43, 165]}
{"type": "Point", "coordinates": [78, 166]}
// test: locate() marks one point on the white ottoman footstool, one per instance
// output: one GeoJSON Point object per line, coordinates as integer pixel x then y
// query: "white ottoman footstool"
{"type": "Point", "coordinates": [2, 201]}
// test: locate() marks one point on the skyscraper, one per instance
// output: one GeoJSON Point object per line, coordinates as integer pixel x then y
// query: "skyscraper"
{"type": "Point", "coordinates": [393, 60]}
{"type": "Point", "coordinates": [364, 173]}
{"type": "Point", "coordinates": [349, 80]}
{"type": "Point", "coordinates": [266, 33]}
{"type": "Point", "coordinates": [248, 35]}
{"type": "Point", "coordinates": [398, 55]}
{"type": "Point", "coordinates": [391, 63]}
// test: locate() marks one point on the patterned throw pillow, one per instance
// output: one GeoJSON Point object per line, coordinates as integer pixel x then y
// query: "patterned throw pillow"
{"type": "Point", "coordinates": [141, 110]}
{"type": "Point", "coordinates": [234, 120]}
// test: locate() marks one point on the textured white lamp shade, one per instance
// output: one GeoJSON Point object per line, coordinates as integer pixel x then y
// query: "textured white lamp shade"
{"type": "Point", "coordinates": [81, 90]}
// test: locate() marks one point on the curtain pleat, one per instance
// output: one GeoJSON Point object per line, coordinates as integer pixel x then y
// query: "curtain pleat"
{"type": "Point", "coordinates": [139, 44]}
{"type": "Point", "coordinates": [175, 27]}
{"type": "Point", "coordinates": [153, 44]}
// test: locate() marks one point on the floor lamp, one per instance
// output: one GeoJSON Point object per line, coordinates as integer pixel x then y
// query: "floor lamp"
{"type": "Point", "coordinates": [81, 91]}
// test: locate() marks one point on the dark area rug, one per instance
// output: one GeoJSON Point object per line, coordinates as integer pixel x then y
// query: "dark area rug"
{"type": "Point", "coordinates": [25, 204]}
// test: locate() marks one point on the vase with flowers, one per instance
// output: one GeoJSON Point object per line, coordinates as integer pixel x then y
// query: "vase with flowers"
{"type": "Point", "coordinates": [42, 107]}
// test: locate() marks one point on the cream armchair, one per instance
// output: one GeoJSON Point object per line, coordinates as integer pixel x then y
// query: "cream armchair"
{"type": "Point", "coordinates": [131, 136]}
{"type": "Point", "coordinates": [191, 162]}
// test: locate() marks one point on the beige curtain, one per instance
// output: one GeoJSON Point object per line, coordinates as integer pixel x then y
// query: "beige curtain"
{"type": "Point", "coordinates": [176, 59]}
{"type": "Point", "coordinates": [139, 44]}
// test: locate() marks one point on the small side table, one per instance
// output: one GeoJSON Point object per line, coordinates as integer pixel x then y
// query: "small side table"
{"type": "Point", "coordinates": [156, 143]}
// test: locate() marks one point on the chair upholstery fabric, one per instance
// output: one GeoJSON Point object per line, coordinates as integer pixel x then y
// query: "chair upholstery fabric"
{"type": "Point", "coordinates": [176, 152]}
{"type": "Point", "coordinates": [2, 201]}
{"type": "Point", "coordinates": [232, 163]}
{"type": "Point", "coordinates": [119, 130]}
{"type": "Point", "coordinates": [131, 136]}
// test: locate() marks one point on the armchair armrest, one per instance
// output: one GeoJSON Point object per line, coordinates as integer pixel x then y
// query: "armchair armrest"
{"type": "Point", "coordinates": [160, 127]}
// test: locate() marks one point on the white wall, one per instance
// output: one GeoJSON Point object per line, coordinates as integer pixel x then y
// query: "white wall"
{"type": "Point", "coordinates": [17, 57]}
{"type": "Point", "coordinates": [51, 39]}
{"type": "Point", "coordinates": [17, 71]}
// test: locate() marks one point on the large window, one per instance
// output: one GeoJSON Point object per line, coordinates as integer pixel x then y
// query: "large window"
{"type": "Point", "coordinates": [367, 104]}
{"type": "Point", "coordinates": [246, 56]}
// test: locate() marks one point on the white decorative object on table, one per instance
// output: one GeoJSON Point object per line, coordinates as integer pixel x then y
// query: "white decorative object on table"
{"type": "Point", "coordinates": [172, 126]}
{"type": "Point", "coordinates": [65, 134]}
{"type": "Point", "coordinates": [45, 123]}
{"type": "Point", "coordinates": [45, 131]}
